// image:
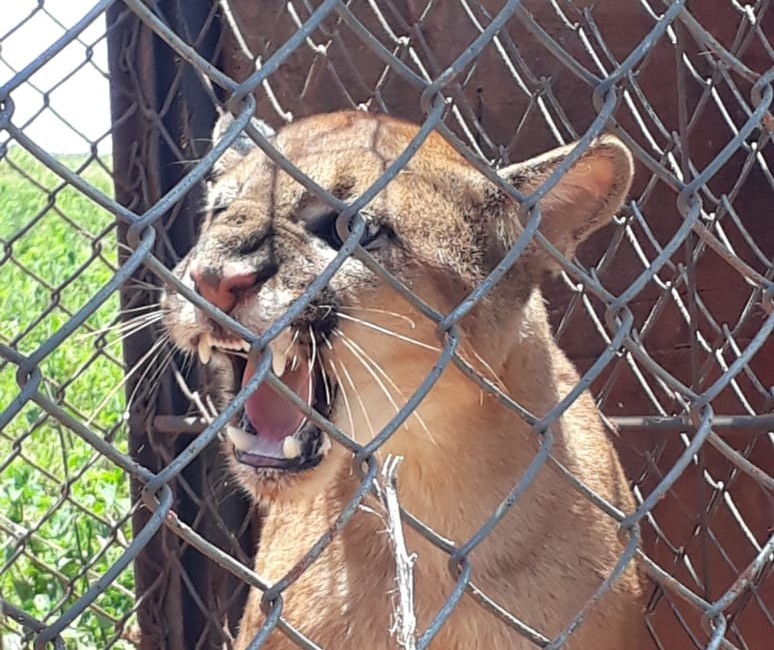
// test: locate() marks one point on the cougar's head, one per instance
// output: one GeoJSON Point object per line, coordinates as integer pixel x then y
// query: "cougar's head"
{"type": "Point", "coordinates": [360, 349]}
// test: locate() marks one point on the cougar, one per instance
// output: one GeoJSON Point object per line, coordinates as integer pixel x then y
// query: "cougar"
{"type": "Point", "coordinates": [361, 349]}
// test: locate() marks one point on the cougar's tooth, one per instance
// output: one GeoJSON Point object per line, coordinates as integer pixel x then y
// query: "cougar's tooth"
{"type": "Point", "coordinates": [244, 346]}
{"type": "Point", "coordinates": [325, 444]}
{"type": "Point", "coordinates": [280, 347]}
{"type": "Point", "coordinates": [205, 349]}
{"type": "Point", "coordinates": [242, 440]}
{"type": "Point", "coordinates": [291, 448]}
{"type": "Point", "coordinates": [277, 363]}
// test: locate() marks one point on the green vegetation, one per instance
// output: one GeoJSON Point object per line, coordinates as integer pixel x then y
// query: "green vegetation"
{"type": "Point", "coordinates": [63, 508]}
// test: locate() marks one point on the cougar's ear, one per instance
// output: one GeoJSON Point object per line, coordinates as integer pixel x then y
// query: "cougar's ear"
{"type": "Point", "coordinates": [241, 146]}
{"type": "Point", "coordinates": [585, 198]}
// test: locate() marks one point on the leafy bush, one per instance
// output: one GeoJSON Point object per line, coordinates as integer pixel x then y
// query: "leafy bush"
{"type": "Point", "coordinates": [64, 510]}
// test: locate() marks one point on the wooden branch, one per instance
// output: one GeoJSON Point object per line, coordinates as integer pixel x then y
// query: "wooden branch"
{"type": "Point", "coordinates": [404, 624]}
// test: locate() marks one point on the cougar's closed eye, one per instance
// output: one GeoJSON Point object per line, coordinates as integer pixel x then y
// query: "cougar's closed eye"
{"type": "Point", "coordinates": [333, 229]}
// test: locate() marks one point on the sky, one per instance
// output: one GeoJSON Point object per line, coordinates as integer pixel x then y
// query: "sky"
{"type": "Point", "coordinates": [78, 95]}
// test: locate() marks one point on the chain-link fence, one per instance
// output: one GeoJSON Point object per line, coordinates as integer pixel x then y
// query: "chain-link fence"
{"type": "Point", "coordinates": [120, 523]}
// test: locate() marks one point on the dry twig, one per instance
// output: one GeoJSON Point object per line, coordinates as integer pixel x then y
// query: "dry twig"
{"type": "Point", "coordinates": [404, 623]}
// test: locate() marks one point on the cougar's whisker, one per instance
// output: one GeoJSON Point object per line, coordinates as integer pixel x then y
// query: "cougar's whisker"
{"type": "Point", "coordinates": [145, 286]}
{"type": "Point", "coordinates": [132, 310]}
{"type": "Point", "coordinates": [128, 333]}
{"type": "Point", "coordinates": [154, 349]}
{"type": "Point", "coordinates": [324, 376]}
{"type": "Point", "coordinates": [345, 397]}
{"type": "Point", "coordinates": [359, 397]}
{"type": "Point", "coordinates": [367, 359]}
{"type": "Point", "coordinates": [386, 312]}
{"type": "Point", "coordinates": [313, 343]}
{"type": "Point", "coordinates": [157, 369]}
{"type": "Point", "coordinates": [378, 381]}
{"type": "Point", "coordinates": [493, 375]}
{"type": "Point", "coordinates": [160, 367]}
{"type": "Point", "coordinates": [135, 323]}
{"type": "Point", "coordinates": [388, 332]}
{"type": "Point", "coordinates": [210, 405]}
{"type": "Point", "coordinates": [188, 358]}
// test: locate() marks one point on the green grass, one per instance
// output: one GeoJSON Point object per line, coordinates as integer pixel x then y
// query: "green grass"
{"type": "Point", "coordinates": [63, 508]}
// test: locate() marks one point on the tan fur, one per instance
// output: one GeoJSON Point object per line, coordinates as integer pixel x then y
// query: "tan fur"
{"type": "Point", "coordinates": [463, 451]}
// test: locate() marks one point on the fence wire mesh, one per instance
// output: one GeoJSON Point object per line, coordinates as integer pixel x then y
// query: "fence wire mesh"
{"type": "Point", "coordinates": [120, 527]}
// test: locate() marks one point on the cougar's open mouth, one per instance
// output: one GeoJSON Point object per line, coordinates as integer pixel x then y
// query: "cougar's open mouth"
{"type": "Point", "coordinates": [270, 433]}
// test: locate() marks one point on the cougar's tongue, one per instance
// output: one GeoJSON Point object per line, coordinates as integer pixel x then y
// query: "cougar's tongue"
{"type": "Point", "coordinates": [272, 416]}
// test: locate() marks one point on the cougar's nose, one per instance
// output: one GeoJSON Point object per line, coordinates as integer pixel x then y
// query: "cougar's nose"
{"type": "Point", "coordinates": [221, 286]}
